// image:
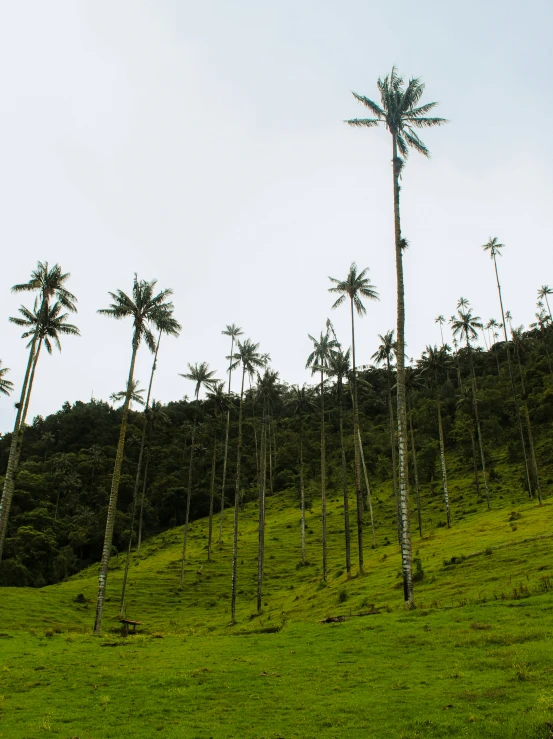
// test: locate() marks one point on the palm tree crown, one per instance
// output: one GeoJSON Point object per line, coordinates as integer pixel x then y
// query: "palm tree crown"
{"type": "Point", "coordinates": [384, 353]}
{"type": "Point", "coordinates": [466, 325]}
{"type": "Point", "coordinates": [49, 283]}
{"type": "Point", "coordinates": [399, 112]}
{"type": "Point", "coordinates": [249, 357]}
{"type": "Point", "coordinates": [46, 323]}
{"type": "Point", "coordinates": [146, 308]}
{"type": "Point", "coordinates": [323, 348]}
{"type": "Point", "coordinates": [136, 394]}
{"type": "Point", "coordinates": [201, 375]}
{"type": "Point", "coordinates": [6, 386]}
{"type": "Point", "coordinates": [494, 247]}
{"type": "Point", "coordinates": [355, 286]}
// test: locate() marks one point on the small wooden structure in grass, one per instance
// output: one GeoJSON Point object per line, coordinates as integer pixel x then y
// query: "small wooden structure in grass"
{"type": "Point", "coordinates": [125, 627]}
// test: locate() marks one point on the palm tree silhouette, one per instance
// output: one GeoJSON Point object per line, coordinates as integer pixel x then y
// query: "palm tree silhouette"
{"type": "Point", "coordinates": [543, 292]}
{"type": "Point", "coordinates": [202, 376]}
{"type": "Point", "coordinates": [401, 116]}
{"type": "Point", "coordinates": [49, 284]}
{"type": "Point", "coordinates": [318, 361]}
{"type": "Point", "coordinates": [355, 287]}
{"type": "Point", "coordinates": [234, 332]}
{"type": "Point", "coordinates": [466, 325]}
{"type": "Point", "coordinates": [441, 320]}
{"type": "Point", "coordinates": [251, 359]}
{"type": "Point", "coordinates": [494, 248]}
{"type": "Point", "coordinates": [147, 309]}
{"type": "Point", "coordinates": [43, 325]}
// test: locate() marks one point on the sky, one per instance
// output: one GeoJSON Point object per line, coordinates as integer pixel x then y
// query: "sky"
{"type": "Point", "coordinates": [203, 145]}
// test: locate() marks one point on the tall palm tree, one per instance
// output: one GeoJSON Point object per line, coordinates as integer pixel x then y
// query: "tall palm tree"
{"type": "Point", "coordinates": [398, 111]}
{"type": "Point", "coordinates": [543, 321]}
{"type": "Point", "coordinates": [301, 402]}
{"type": "Point", "coordinates": [202, 376]}
{"type": "Point", "coordinates": [466, 325]}
{"type": "Point", "coordinates": [355, 287]}
{"type": "Point", "coordinates": [494, 248]}
{"type": "Point", "coordinates": [384, 355]}
{"type": "Point", "coordinates": [434, 363]}
{"type": "Point", "coordinates": [234, 332]}
{"type": "Point", "coordinates": [441, 320]}
{"type": "Point", "coordinates": [519, 344]}
{"type": "Point", "coordinates": [339, 368]}
{"type": "Point", "coordinates": [6, 386]}
{"type": "Point", "coordinates": [220, 402]}
{"type": "Point", "coordinates": [147, 309]}
{"type": "Point", "coordinates": [318, 361]}
{"type": "Point", "coordinates": [48, 284]}
{"type": "Point", "coordinates": [251, 359]}
{"type": "Point", "coordinates": [44, 325]}
{"type": "Point", "coordinates": [543, 292]}
{"type": "Point", "coordinates": [267, 391]}
{"type": "Point", "coordinates": [171, 326]}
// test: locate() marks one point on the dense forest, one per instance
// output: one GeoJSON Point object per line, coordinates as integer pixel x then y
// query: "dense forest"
{"type": "Point", "coordinates": [60, 503]}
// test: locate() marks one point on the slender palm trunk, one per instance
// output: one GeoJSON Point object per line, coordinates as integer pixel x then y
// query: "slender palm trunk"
{"type": "Point", "coordinates": [261, 524]}
{"type": "Point", "coordinates": [406, 555]}
{"type": "Point", "coordinates": [211, 496]}
{"type": "Point", "coordinates": [188, 497]}
{"type": "Point", "coordinates": [137, 481]}
{"type": "Point", "coordinates": [529, 428]}
{"type": "Point", "coordinates": [344, 485]}
{"type": "Point", "coordinates": [302, 494]}
{"type": "Point", "coordinates": [442, 460]}
{"type": "Point", "coordinates": [323, 475]}
{"type": "Point", "coordinates": [237, 503]}
{"type": "Point", "coordinates": [225, 455]}
{"type": "Point", "coordinates": [367, 485]}
{"type": "Point", "coordinates": [15, 447]}
{"type": "Point", "coordinates": [271, 486]}
{"type": "Point", "coordinates": [112, 506]}
{"type": "Point", "coordinates": [477, 422]}
{"type": "Point", "coordinates": [142, 497]}
{"type": "Point", "coordinates": [393, 449]}
{"type": "Point", "coordinates": [474, 461]}
{"type": "Point", "coordinates": [357, 459]}
{"type": "Point", "coordinates": [416, 473]}
{"type": "Point", "coordinates": [513, 386]}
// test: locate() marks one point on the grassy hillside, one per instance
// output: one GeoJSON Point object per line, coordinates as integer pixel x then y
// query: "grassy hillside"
{"type": "Point", "coordinates": [474, 659]}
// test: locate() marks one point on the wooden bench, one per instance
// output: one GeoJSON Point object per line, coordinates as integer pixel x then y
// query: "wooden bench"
{"type": "Point", "coordinates": [126, 623]}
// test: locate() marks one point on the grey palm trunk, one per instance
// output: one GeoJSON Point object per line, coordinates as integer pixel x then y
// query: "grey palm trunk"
{"type": "Point", "coordinates": [261, 524]}
{"type": "Point", "coordinates": [237, 504]}
{"type": "Point", "coordinates": [112, 506]}
{"type": "Point", "coordinates": [323, 477]}
{"type": "Point", "coordinates": [357, 456]}
{"type": "Point", "coordinates": [225, 454]}
{"type": "Point", "coordinates": [513, 386]}
{"type": "Point", "coordinates": [142, 498]}
{"type": "Point", "coordinates": [212, 497]}
{"type": "Point", "coordinates": [367, 486]}
{"type": "Point", "coordinates": [391, 424]}
{"type": "Point", "coordinates": [188, 497]}
{"type": "Point", "coordinates": [347, 532]}
{"type": "Point", "coordinates": [15, 445]}
{"type": "Point", "coordinates": [406, 554]}
{"type": "Point", "coordinates": [529, 428]}
{"type": "Point", "coordinates": [302, 494]}
{"type": "Point", "coordinates": [443, 464]}
{"type": "Point", "coordinates": [477, 423]}
{"type": "Point", "coordinates": [137, 482]}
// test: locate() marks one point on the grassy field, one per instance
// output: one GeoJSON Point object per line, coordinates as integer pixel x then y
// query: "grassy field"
{"type": "Point", "coordinates": [475, 659]}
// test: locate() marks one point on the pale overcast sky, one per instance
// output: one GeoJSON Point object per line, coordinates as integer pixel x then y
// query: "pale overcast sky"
{"type": "Point", "coordinates": [202, 144]}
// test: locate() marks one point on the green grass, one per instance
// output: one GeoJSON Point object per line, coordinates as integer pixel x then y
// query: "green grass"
{"type": "Point", "coordinates": [475, 659]}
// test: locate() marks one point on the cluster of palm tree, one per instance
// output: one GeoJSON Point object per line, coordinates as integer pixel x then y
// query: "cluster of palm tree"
{"type": "Point", "coordinates": [400, 110]}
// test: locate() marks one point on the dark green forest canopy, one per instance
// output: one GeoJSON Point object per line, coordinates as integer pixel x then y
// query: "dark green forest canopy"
{"type": "Point", "coordinates": [59, 508]}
